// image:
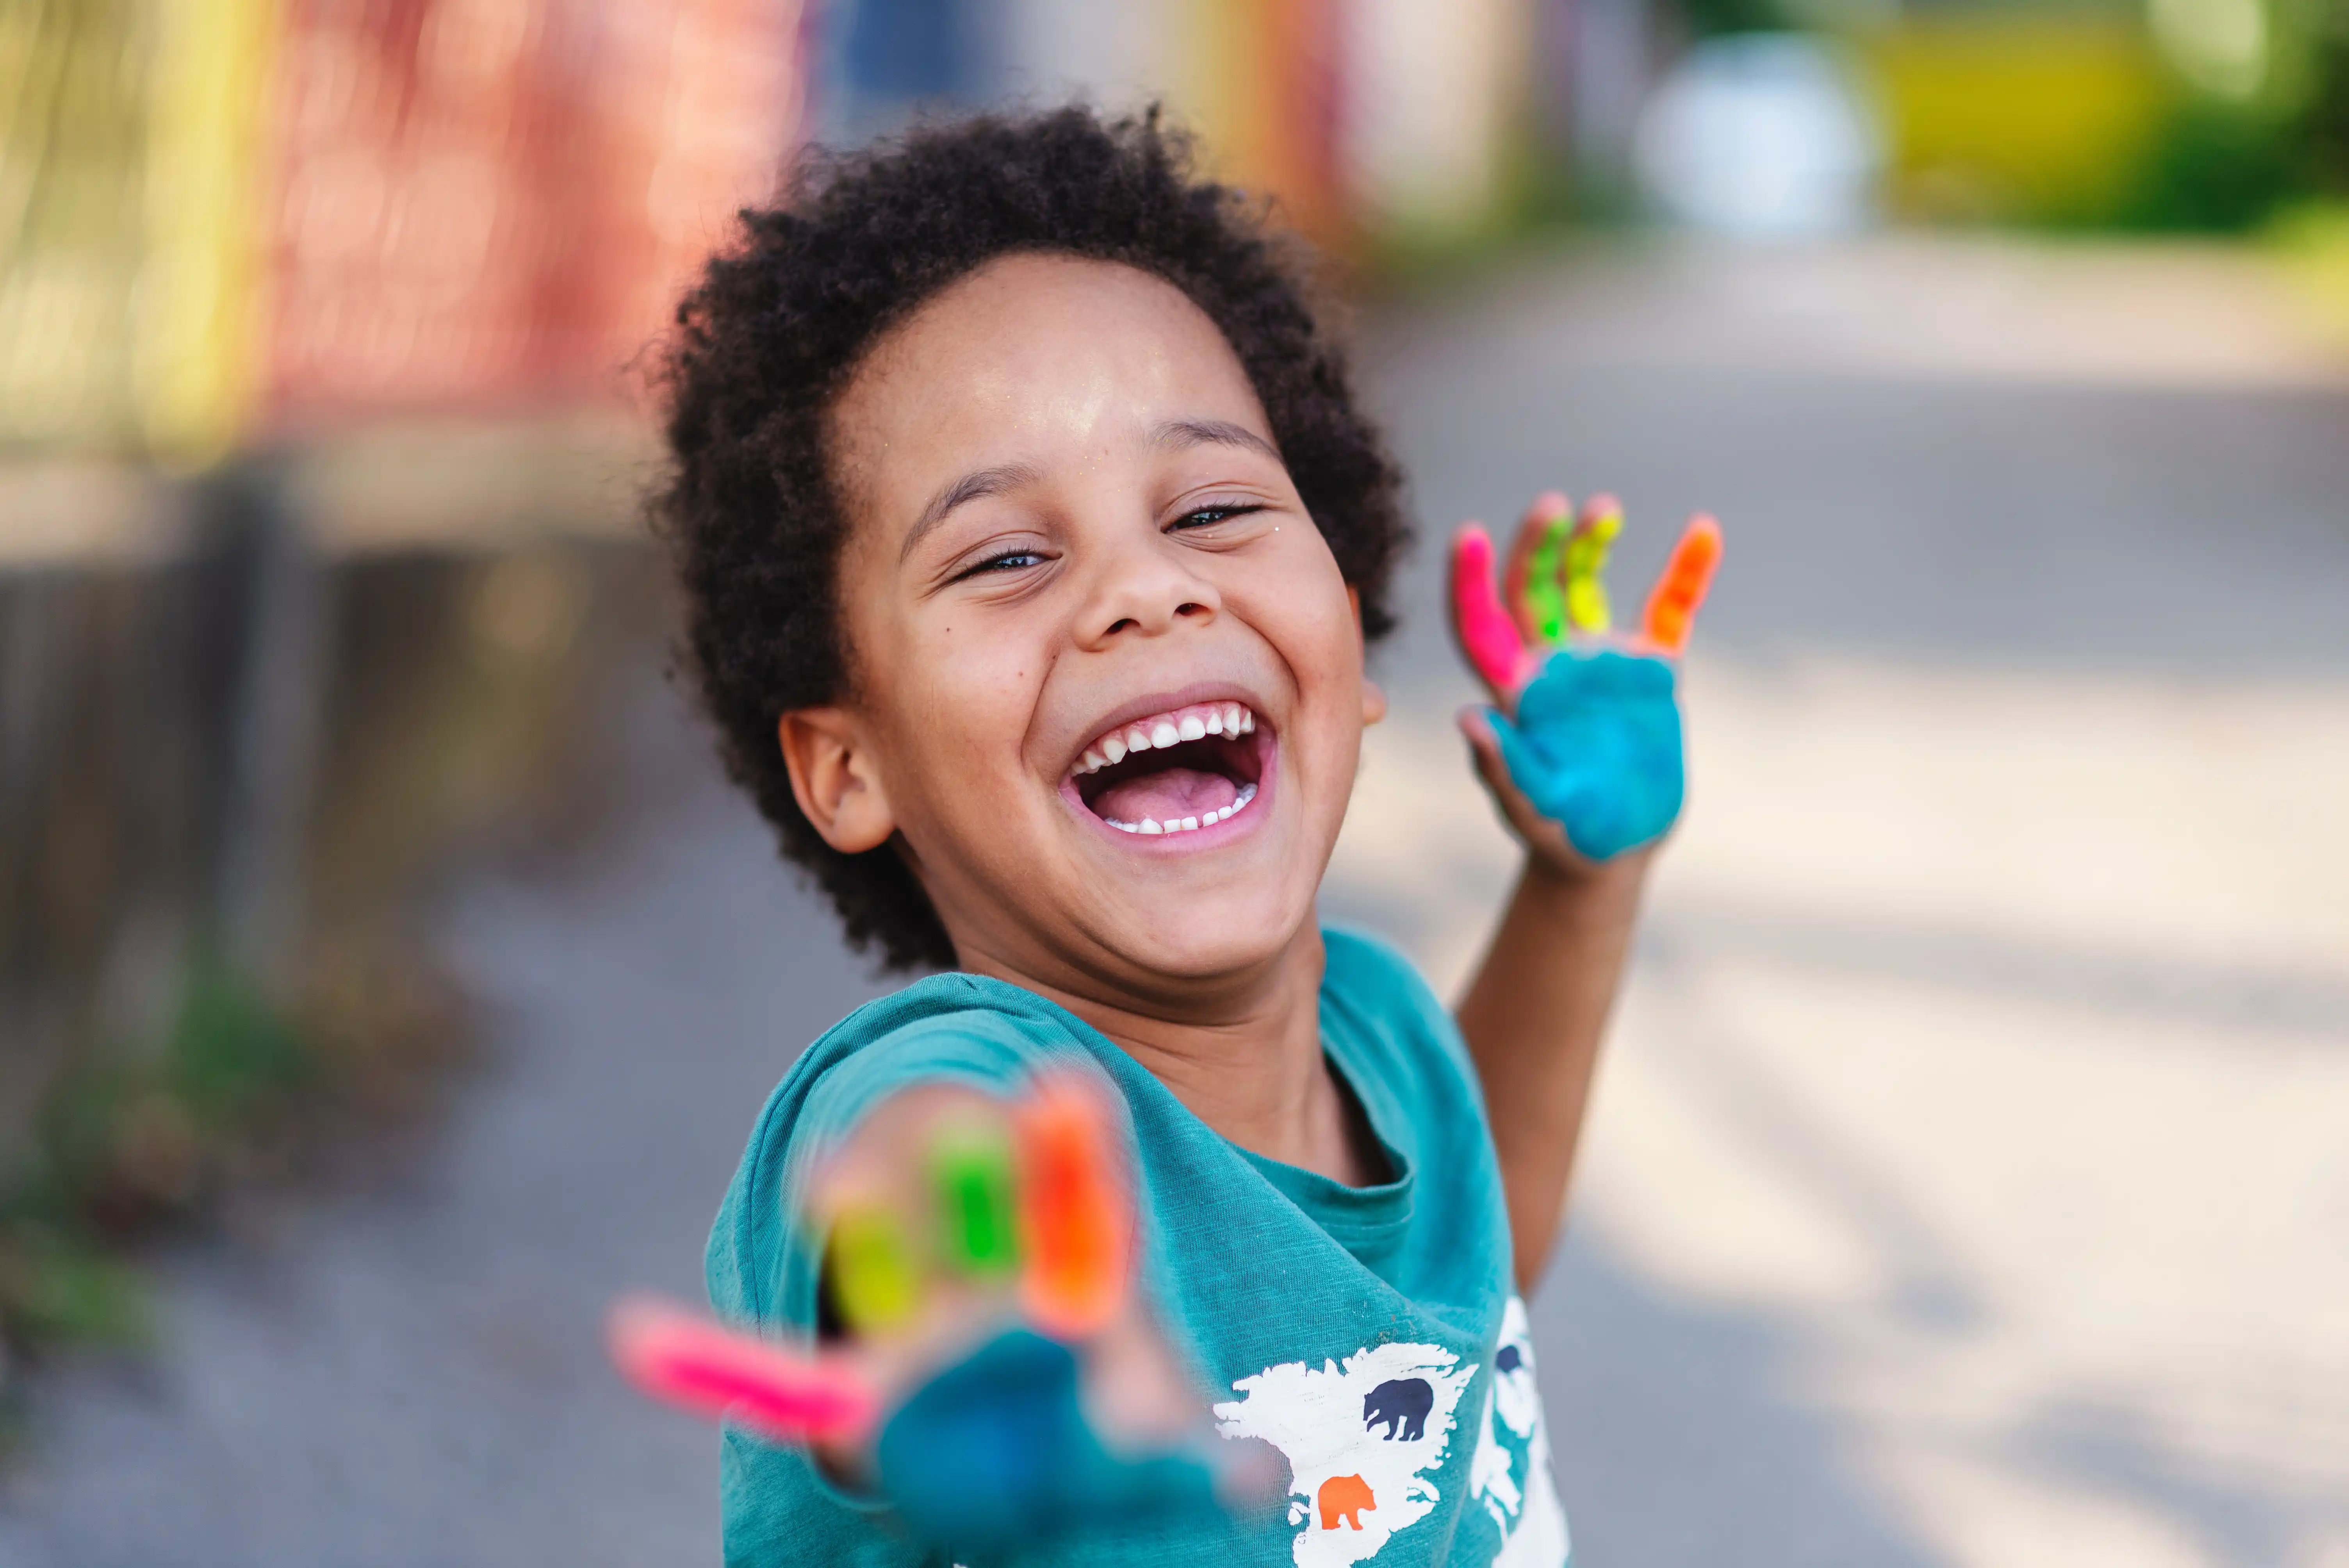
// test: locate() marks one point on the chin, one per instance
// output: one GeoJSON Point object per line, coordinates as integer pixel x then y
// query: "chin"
{"type": "Point", "coordinates": [1204, 938]}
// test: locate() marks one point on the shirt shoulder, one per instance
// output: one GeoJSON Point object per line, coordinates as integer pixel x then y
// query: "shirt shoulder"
{"type": "Point", "coordinates": [1373, 995]}
{"type": "Point", "coordinates": [963, 1029]}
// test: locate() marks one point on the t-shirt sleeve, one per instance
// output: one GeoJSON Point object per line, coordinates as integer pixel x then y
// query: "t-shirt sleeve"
{"type": "Point", "coordinates": [984, 1051]}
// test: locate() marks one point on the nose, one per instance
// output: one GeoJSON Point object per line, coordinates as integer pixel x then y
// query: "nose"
{"type": "Point", "coordinates": [1146, 590]}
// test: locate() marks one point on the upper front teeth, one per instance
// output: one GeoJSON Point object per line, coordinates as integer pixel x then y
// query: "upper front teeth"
{"type": "Point", "coordinates": [1194, 723]}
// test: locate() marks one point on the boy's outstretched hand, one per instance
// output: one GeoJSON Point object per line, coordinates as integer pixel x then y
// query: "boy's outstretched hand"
{"type": "Point", "coordinates": [1582, 747]}
{"type": "Point", "coordinates": [996, 1376]}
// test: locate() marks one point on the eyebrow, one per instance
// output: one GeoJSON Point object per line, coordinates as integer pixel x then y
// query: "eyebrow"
{"type": "Point", "coordinates": [975, 486]}
{"type": "Point", "coordinates": [1182, 433]}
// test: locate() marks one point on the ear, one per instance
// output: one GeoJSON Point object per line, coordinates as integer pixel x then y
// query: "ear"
{"type": "Point", "coordinates": [834, 779]}
{"type": "Point", "coordinates": [1374, 696]}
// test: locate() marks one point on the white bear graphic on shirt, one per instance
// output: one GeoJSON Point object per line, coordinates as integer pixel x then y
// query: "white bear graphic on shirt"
{"type": "Point", "coordinates": [1362, 1438]}
{"type": "Point", "coordinates": [1509, 1472]}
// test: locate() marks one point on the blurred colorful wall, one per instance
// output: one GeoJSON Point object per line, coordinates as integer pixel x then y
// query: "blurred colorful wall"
{"type": "Point", "coordinates": [230, 221]}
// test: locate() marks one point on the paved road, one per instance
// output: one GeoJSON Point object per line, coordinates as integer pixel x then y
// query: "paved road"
{"type": "Point", "coordinates": [1968, 1144]}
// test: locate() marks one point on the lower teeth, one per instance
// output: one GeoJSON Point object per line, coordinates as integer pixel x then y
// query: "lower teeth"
{"type": "Point", "coordinates": [1187, 824]}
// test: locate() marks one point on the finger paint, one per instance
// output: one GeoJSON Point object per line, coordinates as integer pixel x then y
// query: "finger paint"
{"type": "Point", "coordinates": [972, 1170]}
{"type": "Point", "coordinates": [1488, 635]}
{"type": "Point", "coordinates": [1595, 745]}
{"type": "Point", "coordinates": [1074, 1225]}
{"type": "Point", "coordinates": [1544, 585]}
{"type": "Point", "coordinates": [996, 1452]}
{"type": "Point", "coordinates": [1586, 609]}
{"type": "Point", "coordinates": [875, 1281]}
{"type": "Point", "coordinates": [683, 1359]}
{"type": "Point", "coordinates": [1672, 608]}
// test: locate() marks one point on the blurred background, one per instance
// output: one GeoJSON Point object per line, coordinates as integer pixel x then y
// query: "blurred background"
{"type": "Point", "coordinates": [386, 978]}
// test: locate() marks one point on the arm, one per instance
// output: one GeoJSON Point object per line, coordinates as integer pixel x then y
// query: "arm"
{"type": "Point", "coordinates": [1582, 755]}
{"type": "Point", "coordinates": [1533, 1017]}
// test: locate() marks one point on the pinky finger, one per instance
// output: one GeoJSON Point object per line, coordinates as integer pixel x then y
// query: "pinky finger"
{"type": "Point", "coordinates": [682, 1359]}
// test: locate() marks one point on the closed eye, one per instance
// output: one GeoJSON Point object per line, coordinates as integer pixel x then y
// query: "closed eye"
{"type": "Point", "coordinates": [1010, 560]}
{"type": "Point", "coordinates": [1209, 516]}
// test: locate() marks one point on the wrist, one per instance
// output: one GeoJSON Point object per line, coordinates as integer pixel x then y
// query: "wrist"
{"type": "Point", "coordinates": [1572, 878]}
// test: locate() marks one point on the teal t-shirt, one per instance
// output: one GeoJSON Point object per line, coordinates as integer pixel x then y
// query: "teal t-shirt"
{"type": "Point", "coordinates": [1369, 1335]}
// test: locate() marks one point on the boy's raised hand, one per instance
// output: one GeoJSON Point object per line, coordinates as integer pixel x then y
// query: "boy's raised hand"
{"type": "Point", "coordinates": [997, 1378]}
{"type": "Point", "coordinates": [1582, 747]}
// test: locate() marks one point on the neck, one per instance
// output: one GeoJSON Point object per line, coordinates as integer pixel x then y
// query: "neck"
{"type": "Point", "coordinates": [1248, 1062]}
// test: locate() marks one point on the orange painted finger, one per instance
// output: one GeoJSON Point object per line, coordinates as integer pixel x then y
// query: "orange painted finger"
{"type": "Point", "coordinates": [1672, 606]}
{"type": "Point", "coordinates": [1076, 1219]}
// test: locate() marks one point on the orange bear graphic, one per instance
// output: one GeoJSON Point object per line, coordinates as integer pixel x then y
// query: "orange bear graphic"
{"type": "Point", "coordinates": [1346, 1497]}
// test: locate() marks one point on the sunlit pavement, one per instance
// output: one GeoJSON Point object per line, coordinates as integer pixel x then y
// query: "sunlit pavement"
{"type": "Point", "coordinates": [1968, 1182]}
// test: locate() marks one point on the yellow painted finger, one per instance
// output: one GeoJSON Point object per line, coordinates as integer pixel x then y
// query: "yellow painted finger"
{"type": "Point", "coordinates": [1587, 609]}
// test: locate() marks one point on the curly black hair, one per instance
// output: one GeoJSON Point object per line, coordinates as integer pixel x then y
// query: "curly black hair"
{"type": "Point", "coordinates": [779, 322]}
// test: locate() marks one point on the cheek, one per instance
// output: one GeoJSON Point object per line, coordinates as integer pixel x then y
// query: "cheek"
{"type": "Point", "coordinates": [1305, 611]}
{"type": "Point", "coordinates": [966, 703]}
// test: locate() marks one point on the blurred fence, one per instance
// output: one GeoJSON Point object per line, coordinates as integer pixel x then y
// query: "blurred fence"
{"type": "Point", "coordinates": [319, 559]}
{"type": "Point", "coordinates": [240, 755]}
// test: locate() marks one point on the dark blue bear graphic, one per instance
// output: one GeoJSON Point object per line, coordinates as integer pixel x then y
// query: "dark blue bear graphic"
{"type": "Point", "coordinates": [1402, 1404]}
{"type": "Point", "coordinates": [1508, 1360]}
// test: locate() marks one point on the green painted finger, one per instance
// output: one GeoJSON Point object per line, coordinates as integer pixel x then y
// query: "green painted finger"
{"type": "Point", "coordinates": [875, 1282]}
{"type": "Point", "coordinates": [1545, 601]}
{"type": "Point", "coordinates": [1587, 609]}
{"type": "Point", "coordinates": [979, 1223]}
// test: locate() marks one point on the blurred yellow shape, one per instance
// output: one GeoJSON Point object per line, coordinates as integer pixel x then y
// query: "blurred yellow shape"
{"type": "Point", "coordinates": [196, 337]}
{"type": "Point", "coordinates": [2009, 116]}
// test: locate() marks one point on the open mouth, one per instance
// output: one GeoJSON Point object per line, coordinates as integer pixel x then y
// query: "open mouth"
{"type": "Point", "coordinates": [1173, 772]}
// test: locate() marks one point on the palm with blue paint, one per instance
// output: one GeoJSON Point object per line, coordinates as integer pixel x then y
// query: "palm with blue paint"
{"type": "Point", "coordinates": [1582, 747]}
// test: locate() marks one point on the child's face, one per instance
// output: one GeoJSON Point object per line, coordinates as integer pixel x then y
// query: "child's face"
{"type": "Point", "coordinates": [1067, 524]}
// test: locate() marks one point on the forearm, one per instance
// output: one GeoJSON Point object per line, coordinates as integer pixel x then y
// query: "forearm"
{"type": "Point", "coordinates": [1533, 1017]}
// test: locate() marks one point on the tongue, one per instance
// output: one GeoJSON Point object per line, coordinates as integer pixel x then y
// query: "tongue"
{"type": "Point", "coordinates": [1169, 794]}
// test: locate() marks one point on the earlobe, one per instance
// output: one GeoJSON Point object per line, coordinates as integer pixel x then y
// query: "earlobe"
{"type": "Point", "coordinates": [1374, 698]}
{"type": "Point", "coordinates": [834, 779]}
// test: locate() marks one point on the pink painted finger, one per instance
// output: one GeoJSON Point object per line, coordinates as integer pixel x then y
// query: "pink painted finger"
{"type": "Point", "coordinates": [1488, 635]}
{"type": "Point", "coordinates": [681, 1359]}
{"type": "Point", "coordinates": [1672, 608]}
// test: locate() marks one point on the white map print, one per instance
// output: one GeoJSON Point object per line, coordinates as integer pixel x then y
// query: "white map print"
{"type": "Point", "coordinates": [1512, 1479]}
{"type": "Point", "coordinates": [1361, 1440]}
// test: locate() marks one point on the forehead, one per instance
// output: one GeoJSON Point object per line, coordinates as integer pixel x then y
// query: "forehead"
{"type": "Point", "coordinates": [1034, 352]}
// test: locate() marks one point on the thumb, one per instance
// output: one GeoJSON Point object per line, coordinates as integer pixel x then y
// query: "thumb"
{"type": "Point", "coordinates": [1491, 737]}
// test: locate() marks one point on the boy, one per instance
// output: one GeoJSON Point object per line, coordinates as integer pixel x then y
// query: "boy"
{"type": "Point", "coordinates": [1031, 540]}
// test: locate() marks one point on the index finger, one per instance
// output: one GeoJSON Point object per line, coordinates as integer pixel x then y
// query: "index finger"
{"type": "Point", "coordinates": [1488, 634]}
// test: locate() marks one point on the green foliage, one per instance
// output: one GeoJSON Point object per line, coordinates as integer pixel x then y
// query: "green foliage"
{"type": "Point", "coordinates": [2220, 169]}
{"type": "Point", "coordinates": [232, 1057]}
{"type": "Point", "coordinates": [131, 1139]}
{"type": "Point", "coordinates": [59, 1288]}
{"type": "Point", "coordinates": [2229, 166]}
{"type": "Point", "coordinates": [1708, 18]}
